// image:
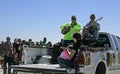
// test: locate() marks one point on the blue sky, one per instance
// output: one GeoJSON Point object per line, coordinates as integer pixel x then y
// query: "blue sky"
{"type": "Point", "coordinates": [42, 18]}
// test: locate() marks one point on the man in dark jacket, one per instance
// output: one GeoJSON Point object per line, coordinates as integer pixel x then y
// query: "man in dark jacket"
{"type": "Point", "coordinates": [7, 49]}
{"type": "Point", "coordinates": [93, 26]}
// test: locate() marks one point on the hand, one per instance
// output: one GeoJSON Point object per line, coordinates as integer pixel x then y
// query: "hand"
{"type": "Point", "coordinates": [94, 24]}
{"type": "Point", "coordinates": [66, 28]}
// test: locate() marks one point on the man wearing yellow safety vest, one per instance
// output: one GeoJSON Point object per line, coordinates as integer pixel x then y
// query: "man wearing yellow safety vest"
{"type": "Point", "coordinates": [69, 29]}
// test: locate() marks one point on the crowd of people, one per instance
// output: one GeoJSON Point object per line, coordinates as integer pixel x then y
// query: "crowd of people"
{"type": "Point", "coordinates": [71, 42]}
{"type": "Point", "coordinates": [12, 52]}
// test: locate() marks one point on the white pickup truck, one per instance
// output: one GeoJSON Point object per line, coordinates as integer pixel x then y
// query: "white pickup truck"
{"type": "Point", "coordinates": [104, 58]}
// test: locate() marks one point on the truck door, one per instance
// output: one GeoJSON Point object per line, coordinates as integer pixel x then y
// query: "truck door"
{"type": "Point", "coordinates": [117, 50]}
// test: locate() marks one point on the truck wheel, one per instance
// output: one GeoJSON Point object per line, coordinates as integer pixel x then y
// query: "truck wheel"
{"type": "Point", "coordinates": [101, 69]}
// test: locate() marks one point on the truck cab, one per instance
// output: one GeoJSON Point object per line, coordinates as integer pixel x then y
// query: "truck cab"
{"type": "Point", "coordinates": [103, 58]}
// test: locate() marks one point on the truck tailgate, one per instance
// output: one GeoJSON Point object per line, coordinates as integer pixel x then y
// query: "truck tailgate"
{"type": "Point", "coordinates": [38, 68]}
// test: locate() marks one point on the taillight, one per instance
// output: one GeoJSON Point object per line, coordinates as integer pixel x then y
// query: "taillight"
{"type": "Point", "coordinates": [1, 61]}
{"type": "Point", "coordinates": [81, 61]}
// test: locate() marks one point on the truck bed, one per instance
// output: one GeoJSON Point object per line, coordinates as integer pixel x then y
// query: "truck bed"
{"type": "Point", "coordinates": [39, 68]}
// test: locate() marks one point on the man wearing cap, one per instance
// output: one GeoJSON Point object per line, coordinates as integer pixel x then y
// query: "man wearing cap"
{"type": "Point", "coordinates": [69, 29]}
{"type": "Point", "coordinates": [93, 26]}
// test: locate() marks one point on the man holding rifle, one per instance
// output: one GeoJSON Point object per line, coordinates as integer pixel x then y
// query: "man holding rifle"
{"type": "Point", "coordinates": [69, 29]}
{"type": "Point", "coordinates": [93, 26]}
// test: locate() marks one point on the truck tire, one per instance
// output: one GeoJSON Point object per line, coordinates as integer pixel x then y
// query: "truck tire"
{"type": "Point", "coordinates": [101, 69]}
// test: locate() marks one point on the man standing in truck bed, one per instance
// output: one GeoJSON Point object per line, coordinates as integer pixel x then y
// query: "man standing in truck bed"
{"type": "Point", "coordinates": [93, 26]}
{"type": "Point", "coordinates": [69, 29]}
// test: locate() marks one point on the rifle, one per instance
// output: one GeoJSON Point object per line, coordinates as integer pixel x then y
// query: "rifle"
{"type": "Point", "coordinates": [99, 19]}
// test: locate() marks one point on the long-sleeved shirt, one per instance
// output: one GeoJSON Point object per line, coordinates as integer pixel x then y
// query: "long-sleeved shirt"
{"type": "Point", "coordinates": [76, 28]}
{"type": "Point", "coordinates": [7, 49]}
